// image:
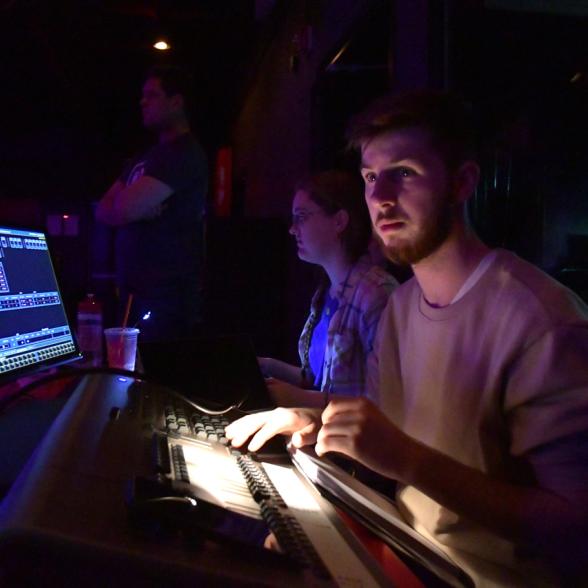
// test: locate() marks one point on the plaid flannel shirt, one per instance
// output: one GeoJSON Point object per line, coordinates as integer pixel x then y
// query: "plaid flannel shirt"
{"type": "Point", "coordinates": [352, 329]}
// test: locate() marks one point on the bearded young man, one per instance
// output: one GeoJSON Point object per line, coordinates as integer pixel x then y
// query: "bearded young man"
{"type": "Point", "coordinates": [480, 373]}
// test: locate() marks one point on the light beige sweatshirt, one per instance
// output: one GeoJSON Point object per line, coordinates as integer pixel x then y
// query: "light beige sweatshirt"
{"type": "Point", "coordinates": [498, 381]}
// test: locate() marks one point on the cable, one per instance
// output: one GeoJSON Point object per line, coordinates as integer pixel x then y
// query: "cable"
{"type": "Point", "coordinates": [201, 408]}
{"type": "Point", "coordinates": [137, 376]}
{"type": "Point", "coordinates": [179, 499]}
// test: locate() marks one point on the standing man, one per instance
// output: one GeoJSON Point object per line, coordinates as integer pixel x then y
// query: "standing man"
{"type": "Point", "coordinates": [157, 207]}
{"type": "Point", "coordinates": [480, 378]}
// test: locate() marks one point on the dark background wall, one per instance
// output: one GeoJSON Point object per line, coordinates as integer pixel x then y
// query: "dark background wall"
{"type": "Point", "coordinates": [292, 120]}
{"type": "Point", "coordinates": [277, 81]}
{"type": "Point", "coordinates": [526, 72]}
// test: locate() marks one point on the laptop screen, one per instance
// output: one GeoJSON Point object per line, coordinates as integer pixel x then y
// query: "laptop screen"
{"type": "Point", "coordinates": [34, 330]}
{"type": "Point", "coordinates": [219, 371]}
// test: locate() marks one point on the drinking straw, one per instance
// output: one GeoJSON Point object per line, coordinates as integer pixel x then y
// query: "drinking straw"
{"type": "Point", "coordinates": [124, 324]}
{"type": "Point", "coordinates": [127, 311]}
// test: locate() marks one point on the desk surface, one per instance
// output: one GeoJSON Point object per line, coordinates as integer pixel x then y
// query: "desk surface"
{"type": "Point", "coordinates": [24, 422]}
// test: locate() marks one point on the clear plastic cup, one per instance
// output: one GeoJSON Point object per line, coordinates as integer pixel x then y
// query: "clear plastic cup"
{"type": "Point", "coordinates": [121, 347]}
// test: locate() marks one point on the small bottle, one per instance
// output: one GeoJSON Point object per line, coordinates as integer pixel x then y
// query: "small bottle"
{"type": "Point", "coordinates": [90, 330]}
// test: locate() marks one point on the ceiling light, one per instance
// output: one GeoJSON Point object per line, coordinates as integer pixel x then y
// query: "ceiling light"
{"type": "Point", "coordinates": [161, 45]}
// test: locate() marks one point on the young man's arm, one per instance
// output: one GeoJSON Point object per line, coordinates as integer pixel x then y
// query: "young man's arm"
{"type": "Point", "coordinates": [126, 204]}
{"type": "Point", "coordinates": [533, 515]}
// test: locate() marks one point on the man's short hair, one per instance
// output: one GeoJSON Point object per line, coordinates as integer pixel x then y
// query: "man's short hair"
{"type": "Point", "coordinates": [447, 119]}
{"type": "Point", "coordinates": [174, 80]}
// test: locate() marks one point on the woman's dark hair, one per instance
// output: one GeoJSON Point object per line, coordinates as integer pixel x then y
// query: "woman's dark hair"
{"type": "Point", "coordinates": [335, 190]}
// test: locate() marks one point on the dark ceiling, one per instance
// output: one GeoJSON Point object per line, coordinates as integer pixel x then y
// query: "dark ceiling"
{"type": "Point", "coordinates": [70, 54]}
{"type": "Point", "coordinates": [71, 74]}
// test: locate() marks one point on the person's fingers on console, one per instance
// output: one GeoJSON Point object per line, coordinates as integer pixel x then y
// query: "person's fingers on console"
{"type": "Point", "coordinates": [246, 422]}
{"type": "Point", "coordinates": [279, 420]}
{"type": "Point", "coordinates": [306, 435]}
{"type": "Point", "coordinates": [240, 430]}
{"type": "Point", "coordinates": [265, 433]}
{"type": "Point", "coordinates": [344, 425]}
{"type": "Point", "coordinates": [339, 406]}
{"type": "Point", "coordinates": [264, 425]}
{"type": "Point", "coordinates": [342, 444]}
{"type": "Point", "coordinates": [271, 542]}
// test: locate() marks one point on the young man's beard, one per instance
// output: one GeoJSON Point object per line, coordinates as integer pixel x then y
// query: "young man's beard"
{"type": "Point", "coordinates": [432, 234]}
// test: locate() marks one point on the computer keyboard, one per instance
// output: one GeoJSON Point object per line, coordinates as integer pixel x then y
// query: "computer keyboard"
{"type": "Point", "coordinates": [199, 425]}
{"type": "Point", "coordinates": [209, 427]}
{"type": "Point", "coordinates": [180, 419]}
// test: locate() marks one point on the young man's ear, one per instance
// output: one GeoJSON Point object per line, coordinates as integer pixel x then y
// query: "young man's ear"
{"type": "Point", "coordinates": [465, 181]}
{"type": "Point", "coordinates": [341, 220]}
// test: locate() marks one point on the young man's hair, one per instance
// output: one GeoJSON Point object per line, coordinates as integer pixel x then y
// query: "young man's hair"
{"type": "Point", "coordinates": [335, 190]}
{"type": "Point", "coordinates": [447, 119]}
{"type": "Point", "coordinates": [174, 80]}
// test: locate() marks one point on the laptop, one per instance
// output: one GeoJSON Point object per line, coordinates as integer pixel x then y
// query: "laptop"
{"type": "Point", "coordinates": [35, 332]}
{"type": "Point", "coordinates": [217, 371]}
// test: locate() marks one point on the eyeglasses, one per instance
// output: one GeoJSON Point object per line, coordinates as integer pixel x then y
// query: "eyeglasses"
{"type": "Point", "coordinates": [299, 218]}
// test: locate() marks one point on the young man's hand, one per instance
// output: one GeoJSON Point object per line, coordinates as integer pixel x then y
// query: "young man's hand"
{"type": "Point", "coordinates": [302, 423]}
{"type": "Point", "coordinates": [356, 428]}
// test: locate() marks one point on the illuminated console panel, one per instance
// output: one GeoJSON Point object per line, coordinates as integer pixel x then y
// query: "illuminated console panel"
{"type": "Point", "coordinates": [73, 509]}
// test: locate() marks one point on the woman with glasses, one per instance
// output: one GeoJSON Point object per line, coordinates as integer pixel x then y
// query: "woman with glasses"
{"type": "Point", "coordinates": [331, 225]}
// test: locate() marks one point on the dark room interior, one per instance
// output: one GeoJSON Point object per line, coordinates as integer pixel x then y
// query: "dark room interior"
{"type": "Point", "coordinates": [276, 83]}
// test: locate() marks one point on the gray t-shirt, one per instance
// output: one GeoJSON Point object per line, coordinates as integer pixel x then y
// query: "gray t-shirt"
{"type": "Point", "coordinates": [155, 252]}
